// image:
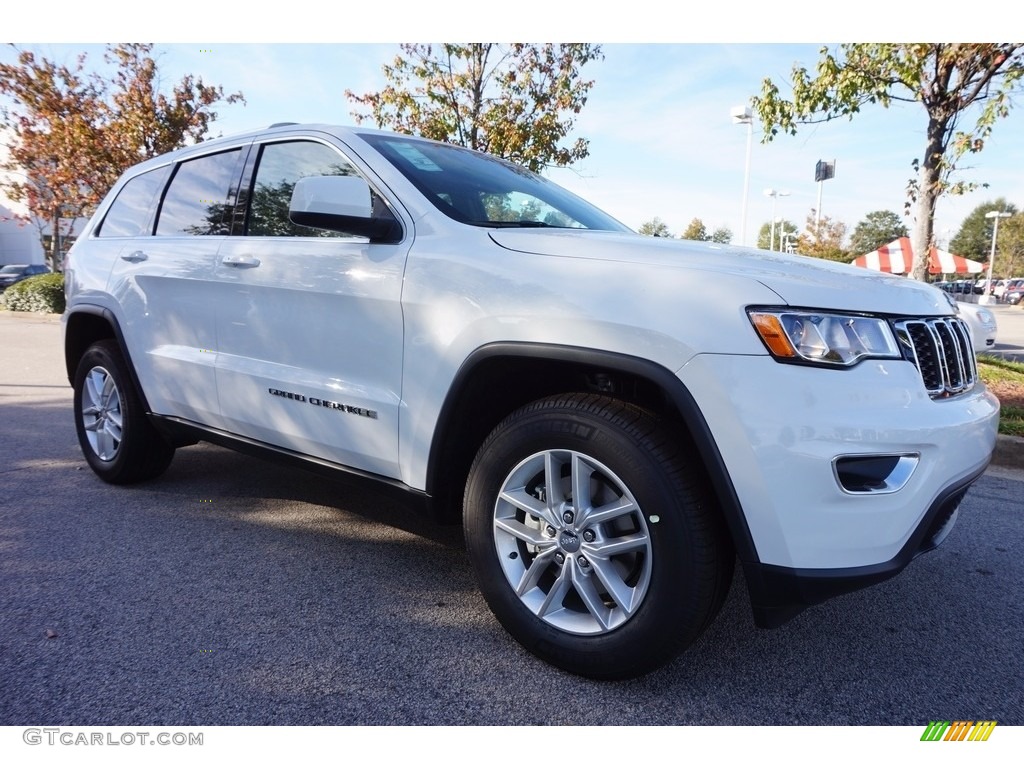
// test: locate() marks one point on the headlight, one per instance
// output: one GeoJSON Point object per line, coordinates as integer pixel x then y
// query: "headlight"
{"type": "Point", "coordinates": [802, 336]}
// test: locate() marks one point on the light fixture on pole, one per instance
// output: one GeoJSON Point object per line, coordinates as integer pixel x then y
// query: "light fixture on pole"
{"type": "Point", "coordinates": [822, 172]}
{"type": "Point", "coordinates": [987, 297]}
{"type": "Point", "coordinates": [774, 194]}
{"type": "Point", "coordinates": [743, 116]}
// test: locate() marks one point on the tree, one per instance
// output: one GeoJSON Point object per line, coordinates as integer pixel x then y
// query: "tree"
{"type": "Point", "coordinates": [52, 152]}
{"type": "Point", "coordinates": [764, 235]}
{"type": "Point", "coordinates": [823, 239]}
{"type": "Point", "coordinates": [946, 79]}
{"type": "Point", "coordinates": [73, 133]}
{"type": "Point", "coordinates": [1010, 247]}
{"type": "Point", "coordinates": [655, 228]}
{"type": "Point", "coordinates": [974, 239]}
{"type": "Point", "coordinates": [722, 235]}
{"type": "Point", "coordinates": [517, 102]}
{"type": "Point", "coordinates": [143, 122]}
{"type": "Point", "coordinates": [695, 231]}
{"type": "Point", "coordinates": [878, 228]}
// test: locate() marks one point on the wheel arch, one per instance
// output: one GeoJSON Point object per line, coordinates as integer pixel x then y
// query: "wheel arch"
{"type": "Point", "coordinates": [84, 326]}
{"type": "Point", "coordinates": [480, 397]}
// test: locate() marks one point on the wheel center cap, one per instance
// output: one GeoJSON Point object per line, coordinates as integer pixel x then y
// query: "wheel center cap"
{"type": "Point", "coordinates": [569, 541]}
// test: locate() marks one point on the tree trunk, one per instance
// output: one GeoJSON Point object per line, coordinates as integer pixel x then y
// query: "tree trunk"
{"type": "Point", "coordinates": [55, 243]}
{"type": "Point", "coordinates": [928, 189]}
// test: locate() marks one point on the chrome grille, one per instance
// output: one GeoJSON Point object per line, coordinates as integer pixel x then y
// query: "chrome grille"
{"type": "Point", "coordinates": [941, 349]}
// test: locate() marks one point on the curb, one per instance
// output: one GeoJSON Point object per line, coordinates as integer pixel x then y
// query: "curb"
{"type": "Point", "coordinates": [49, 317]}
{"type": "Point", "coordinates": [1009, 452]}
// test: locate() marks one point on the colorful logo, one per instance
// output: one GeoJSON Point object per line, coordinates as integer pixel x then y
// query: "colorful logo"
{"type": "Point", "coordinates": [959, 730]}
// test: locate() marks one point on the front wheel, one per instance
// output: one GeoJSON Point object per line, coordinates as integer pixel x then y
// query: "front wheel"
{"type": "Point", "coordinates": [593, 537]}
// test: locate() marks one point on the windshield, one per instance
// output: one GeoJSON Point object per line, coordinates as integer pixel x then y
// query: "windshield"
{"type": "Point", "coordinates": [485, 191]}
{"type": "Point", "coordinates": [12, 269]}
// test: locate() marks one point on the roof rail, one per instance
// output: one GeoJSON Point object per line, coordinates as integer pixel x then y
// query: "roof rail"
{"type": "Point", "coordinates": [281, 125]}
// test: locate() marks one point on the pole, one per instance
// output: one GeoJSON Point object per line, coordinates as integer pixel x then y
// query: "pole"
{"type": "Point", "coordinates": [817, 211]}
{"type": "Point", "coordinates": [746, 184]}
{"type": "Point", "coordinates": [997, 215]}
{"type": "Point", "coordinates": [992, 255]}
{"type": "Point", "coordinates": [743, 115]}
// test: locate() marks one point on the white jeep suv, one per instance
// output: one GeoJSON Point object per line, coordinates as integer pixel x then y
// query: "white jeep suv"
{"type": "Point", "coordinates": [613, 418]}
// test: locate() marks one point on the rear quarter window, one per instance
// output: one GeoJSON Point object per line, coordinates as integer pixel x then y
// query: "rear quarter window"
{"type": "Point", "coordinates": [131, 214]}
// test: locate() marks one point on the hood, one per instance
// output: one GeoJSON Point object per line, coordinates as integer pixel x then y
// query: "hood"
{"type": "Point", "coordinates": [799, 281]}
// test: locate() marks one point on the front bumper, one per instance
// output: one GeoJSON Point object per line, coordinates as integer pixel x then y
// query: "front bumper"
{"type": "Point", "coordinates": [777, 594]}
{"type": "Point", "coordinates": [779, 429]}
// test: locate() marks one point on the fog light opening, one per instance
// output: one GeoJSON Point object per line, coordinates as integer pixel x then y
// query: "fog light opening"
{"type": "Point", "coordinates": [874, 474]}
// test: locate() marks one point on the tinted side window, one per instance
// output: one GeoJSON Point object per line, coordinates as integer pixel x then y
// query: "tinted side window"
{"type": "Point", "coordinates": [197, 202]}
{"type": "Point", "coordinates": [279, 167]}
{"type": "Point", "coordinates": [132, 212]}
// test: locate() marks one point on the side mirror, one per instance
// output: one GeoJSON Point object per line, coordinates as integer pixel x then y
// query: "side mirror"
{"type": "Point", "coordinates": [343, 204]}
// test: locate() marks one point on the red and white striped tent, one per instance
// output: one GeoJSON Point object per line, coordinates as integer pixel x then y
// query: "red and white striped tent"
{"type": "Point", "coordinates": [897, 257]}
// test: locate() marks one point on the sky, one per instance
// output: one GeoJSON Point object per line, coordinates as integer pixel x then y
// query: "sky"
{"type": "Point", "coordinates": [662, 143]}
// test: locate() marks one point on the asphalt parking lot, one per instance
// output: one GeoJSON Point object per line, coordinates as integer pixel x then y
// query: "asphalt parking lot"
{"type": "Point", "coordinates": [236, 592]}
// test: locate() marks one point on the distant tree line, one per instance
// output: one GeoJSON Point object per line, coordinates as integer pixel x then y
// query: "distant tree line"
{"type": "Point", "coordinates": [826, 238]}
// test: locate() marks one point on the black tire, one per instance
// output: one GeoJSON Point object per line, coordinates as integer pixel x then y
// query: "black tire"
{"type": "Point", "coordinates": [671, 563]}
{"type": "Point", "coordinates": [117, 438]}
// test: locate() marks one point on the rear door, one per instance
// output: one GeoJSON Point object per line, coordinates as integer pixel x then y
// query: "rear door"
{"type": "Point", "coordinates": [309, 322]}
{"type": "Point", "coordinates": [162, 278]}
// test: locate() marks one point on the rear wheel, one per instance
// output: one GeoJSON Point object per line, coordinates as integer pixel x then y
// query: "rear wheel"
{"type": "Point", "coordinates": [117, 438]}
{"type": "Point", "coordinates": [593, 537]}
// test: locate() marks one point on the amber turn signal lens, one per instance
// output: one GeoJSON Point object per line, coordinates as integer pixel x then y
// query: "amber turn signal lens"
{"type": "Point", "coordinates": [769, 327]}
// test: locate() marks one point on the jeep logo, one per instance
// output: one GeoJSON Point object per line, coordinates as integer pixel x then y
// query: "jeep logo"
{"type": "Point", "coordinates": [569, 541]}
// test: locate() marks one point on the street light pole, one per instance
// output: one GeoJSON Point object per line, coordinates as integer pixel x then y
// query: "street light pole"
{"type": "Point", "coordinates": [774, 194]}
{"type": "Point", "coordinates": [742, 116]}
{"type": "Point", "coordinates": [784, 237]}
{"type": "Point", "coordinates": [987, 297]}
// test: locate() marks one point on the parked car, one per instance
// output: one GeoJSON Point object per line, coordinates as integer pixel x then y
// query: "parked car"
{"type": "Point", "coordinates": [960, 287]}
{"type": "Point", "coordinates": [982, 323]}
{"type": "Point", "coordinates": [14, 273]}
{"type": "Point", "coordinates": [1014, 291]}
{"type": "Point", "coordinates": [613, 419]}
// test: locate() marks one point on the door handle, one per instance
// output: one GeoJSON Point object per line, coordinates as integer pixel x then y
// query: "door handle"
{"type": "Point", "coordinates": [241, 261]}
{"type": "Point", "coordinates": [134, 257]}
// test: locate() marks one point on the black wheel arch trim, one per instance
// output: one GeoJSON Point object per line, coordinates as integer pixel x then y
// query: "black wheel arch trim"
{"type": "Point", "coordinates": [662, 377]}
{"type": "Point", "coordinates": [110, 318]}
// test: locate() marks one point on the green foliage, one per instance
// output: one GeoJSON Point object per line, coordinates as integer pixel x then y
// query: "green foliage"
{"type": "Point", "coordinates": [764, 235]}
{"type": "Point", "coordinates": [722, 235]}
{"type": "Point", "coordinates": [1010, 247]}
{"type": "Point", "coordinates": [517, 101]}
{"type": "Point", "coordinates": [39, 293]}
{"type": "Point", "coordinates": [947, 79]}
{"type": "Point", "coordinates": [1011, 420]}
{"type": "Point", "coordinates": [1005, 376]}
{"type": "Point", "coordinates": [1001, 369]}
{"type": "Point", "coordinates": [695, 231]}
{"type": "Point", "coordinates": [878, 228]}
{"type": "Point", "coordinates": [974, 239]}
{"type": "Point", "coordinates": [655, 228]}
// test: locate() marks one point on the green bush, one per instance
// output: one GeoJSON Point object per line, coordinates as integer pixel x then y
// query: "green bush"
{"type": "Point", "coordinates": [40, 293]}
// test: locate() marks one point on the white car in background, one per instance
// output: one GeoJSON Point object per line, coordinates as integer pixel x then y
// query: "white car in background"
{"type": "Point", "coordinates": [982, 323]}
